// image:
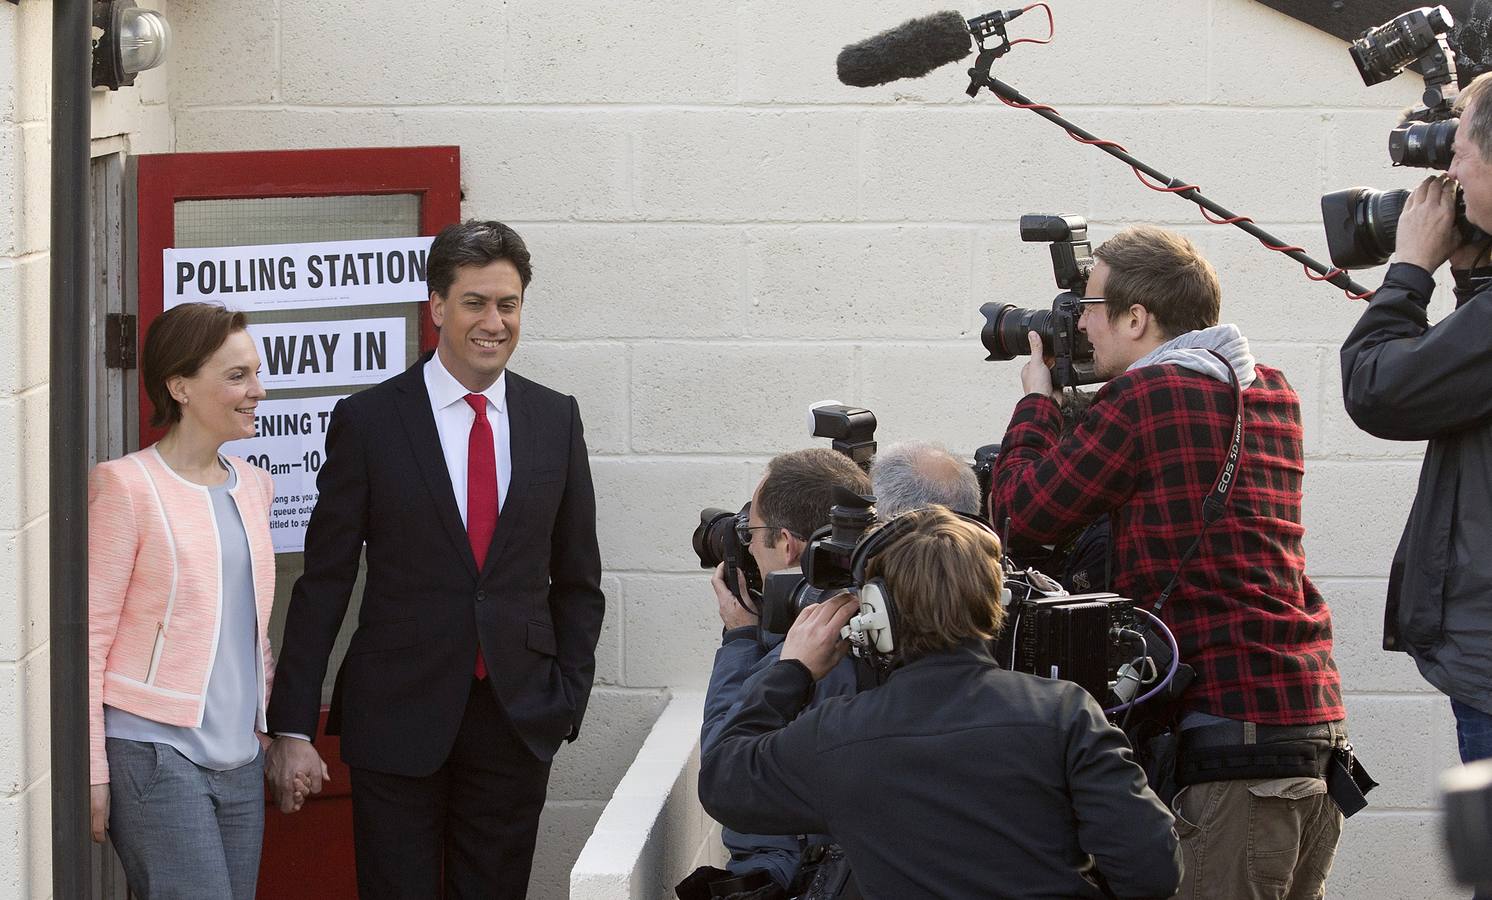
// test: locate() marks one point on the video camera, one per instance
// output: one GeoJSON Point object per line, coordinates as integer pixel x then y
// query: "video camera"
{"type": "Point", "coordinates": [1362, 223]}
{"type": "Point", "coordinates": [1006, 325]}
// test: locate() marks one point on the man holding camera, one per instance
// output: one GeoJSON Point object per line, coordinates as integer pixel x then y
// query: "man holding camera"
{"type": "Point", "coordinates": [1404, 379]}
{"type": "Point", "coordinates": [791, 502]}
{"type": "Point", "coordinates": [1247, 620]}
{"type": "Point", "coordinates": [955, 778]}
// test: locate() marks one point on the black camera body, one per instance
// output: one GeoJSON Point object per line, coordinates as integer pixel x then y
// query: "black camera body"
{"type": "Point", "coordinates": [827, 568]}
{"type": "Point", "coordinates": [1362, 223]}
{"type": "Point", "coordinates": [1006, 325]}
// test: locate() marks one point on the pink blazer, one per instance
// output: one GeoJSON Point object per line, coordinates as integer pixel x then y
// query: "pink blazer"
{"type": "Point", "coordinates": [155, 590]}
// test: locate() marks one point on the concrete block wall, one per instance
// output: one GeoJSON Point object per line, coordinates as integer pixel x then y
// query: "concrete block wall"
{"type": "Point", "coordinates": [722, 233]}
{"type": "Point", "coordinates": [132, 120]}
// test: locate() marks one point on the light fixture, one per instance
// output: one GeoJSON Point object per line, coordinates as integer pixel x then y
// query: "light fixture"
{"type": "Point", "coordinates": [128, 40]}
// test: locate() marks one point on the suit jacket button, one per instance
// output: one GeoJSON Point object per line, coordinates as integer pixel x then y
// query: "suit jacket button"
{"type": "Point", "coordinates": [481, 595]}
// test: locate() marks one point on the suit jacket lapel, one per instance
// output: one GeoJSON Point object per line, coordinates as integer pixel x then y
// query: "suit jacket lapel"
{"type": "Point", "coordinates": [522, 450]}
{"type": "Point", "coordinates": [419, 426]}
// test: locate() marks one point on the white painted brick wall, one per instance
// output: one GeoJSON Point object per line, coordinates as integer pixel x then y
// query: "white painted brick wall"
{"type": "Point", "coordinates": [722, 233]}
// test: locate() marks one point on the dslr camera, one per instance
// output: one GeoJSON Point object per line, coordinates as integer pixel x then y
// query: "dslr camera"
{"type": "Point", "coordinates": [1362, 223]}
{"type": "Point", "coordinates": [1006, 325]}
{"type": "Point", "coordinates": [721, 536]}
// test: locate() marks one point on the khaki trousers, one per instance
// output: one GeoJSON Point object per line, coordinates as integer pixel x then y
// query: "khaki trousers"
{"type": "Point", "coordinates": [1262, 839]}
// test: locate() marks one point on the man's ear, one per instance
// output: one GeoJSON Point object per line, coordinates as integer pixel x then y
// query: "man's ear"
{"type": "Point", "coordinates": [1138, 321]}
{"type": "Point", "coordinates": [437, 308]}
{"type": "Point", "coordinates": [794, 546]}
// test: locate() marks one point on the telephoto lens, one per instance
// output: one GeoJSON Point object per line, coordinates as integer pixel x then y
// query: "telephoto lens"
{"type": "Point", "coordinates": [1362, 225]}
{"type": "Point", "coordinates": [1006, 326]}
{"type": "Point", "coordinates": [1423, 145]}
{"type": "Point", "coordinates": [715, 536]}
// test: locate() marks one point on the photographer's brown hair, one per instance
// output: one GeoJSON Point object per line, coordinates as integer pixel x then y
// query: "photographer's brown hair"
{"type": "Point", "coordinates": [179, 341]}
{"type": "Point", "coordinates": [799, 490]}
{"type": "Point", "coordinates": [1163, 272]}
{"type": "Point", "coordinates": [945, 578]}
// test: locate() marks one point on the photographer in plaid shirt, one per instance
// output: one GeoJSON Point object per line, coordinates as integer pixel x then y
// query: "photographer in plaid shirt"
{"type": "Point", "coordinates": [1245, 616]}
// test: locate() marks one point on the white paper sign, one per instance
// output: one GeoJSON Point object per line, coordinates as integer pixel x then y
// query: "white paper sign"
{"type": "Point", "coordinates": [298, 276]}
{"type": "Point", "coordinates": [322, 354]}
{"type": "Point", "coordinates": [289, 444]}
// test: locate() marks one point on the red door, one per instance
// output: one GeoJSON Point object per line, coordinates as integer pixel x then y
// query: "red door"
{"type": "Point", "coordinates": [187, 200]}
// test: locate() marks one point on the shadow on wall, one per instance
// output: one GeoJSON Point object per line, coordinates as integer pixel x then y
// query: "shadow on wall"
{"type": "Point", "coordinates": [654, 831]}
{"type": "Point", "coordinates": [585, 774]}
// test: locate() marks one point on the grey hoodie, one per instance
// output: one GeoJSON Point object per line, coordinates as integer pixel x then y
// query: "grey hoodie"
{"type": "Point", "coordinates": [1190, 352]}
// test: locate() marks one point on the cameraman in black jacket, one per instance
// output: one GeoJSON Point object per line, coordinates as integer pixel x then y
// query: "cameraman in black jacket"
{"type": "Point", "coordinates": [1406, 380]}
{"type": "Point", "coordinates": [955, 778]}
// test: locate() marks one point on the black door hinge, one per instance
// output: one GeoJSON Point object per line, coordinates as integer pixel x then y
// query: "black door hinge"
{"type": "Point", "coordinates": [119, 341]}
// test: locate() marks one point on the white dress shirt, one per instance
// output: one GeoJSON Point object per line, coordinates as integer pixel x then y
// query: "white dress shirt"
{"type": "Point", "coordinates": [453, 418]}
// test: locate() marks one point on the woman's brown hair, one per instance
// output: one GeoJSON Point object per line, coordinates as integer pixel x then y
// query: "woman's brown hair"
{"type": "Point", "coordinates": [179, 341]}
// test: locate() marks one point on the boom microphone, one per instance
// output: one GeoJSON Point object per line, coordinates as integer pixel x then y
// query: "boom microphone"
{"type": "Point", "coordinates": [909, 50]}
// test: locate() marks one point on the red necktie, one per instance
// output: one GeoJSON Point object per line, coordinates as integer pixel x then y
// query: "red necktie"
{"type": "Point", "coordinates": [481, 492]}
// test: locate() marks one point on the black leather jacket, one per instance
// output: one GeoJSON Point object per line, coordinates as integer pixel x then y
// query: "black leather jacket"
{"type": "Point", "coordinates": [1404, 379]}
{"type": "Point", "coordinates": [953, 779]}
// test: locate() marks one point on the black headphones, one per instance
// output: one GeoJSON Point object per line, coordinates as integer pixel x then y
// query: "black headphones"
{"type": "Point", "coordinates": [872, 633]}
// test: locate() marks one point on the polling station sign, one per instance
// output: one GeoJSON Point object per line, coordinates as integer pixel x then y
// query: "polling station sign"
{"type": "Point", "coordinates": [289, 443]}
{"type": "Point", "coordinates": [327, 354]}
{"type": "Point", "coordinates": [298, 276]}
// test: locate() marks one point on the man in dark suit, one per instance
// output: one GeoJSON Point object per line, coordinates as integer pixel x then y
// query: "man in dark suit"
{"type": "Point", "coordinates": [475, 647]}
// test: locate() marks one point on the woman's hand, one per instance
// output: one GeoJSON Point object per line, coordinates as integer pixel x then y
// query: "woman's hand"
{"type": "Point", "coordinates": [98, 805]}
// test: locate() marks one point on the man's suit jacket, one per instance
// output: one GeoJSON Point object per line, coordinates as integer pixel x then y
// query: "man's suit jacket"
{"type": "Point", "coordinates": [536, 604]}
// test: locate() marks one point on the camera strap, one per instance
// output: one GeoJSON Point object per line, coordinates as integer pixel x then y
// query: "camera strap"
{"type": "Point", "coordinates": [1216, 501]}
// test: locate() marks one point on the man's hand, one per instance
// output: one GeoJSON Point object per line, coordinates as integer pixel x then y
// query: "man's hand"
{"type": "Point", "coordinates": [732, 613]}
{"type": "Point", "coordinates": [1427, 227]}
{"type": "Point", "coordinates": [294, 770]}
{"type": "Point", "coordinates": [814, 639]}
{"type": "Point", "coordinates": [1036, 374]}
{"type": "Point", "coordinates": [98, 811]}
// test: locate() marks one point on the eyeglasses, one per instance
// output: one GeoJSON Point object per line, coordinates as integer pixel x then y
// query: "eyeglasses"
{"type": "Point", "coordinates": [743, 531]}
{"type": "Point", "coordinates": [1085, 303]}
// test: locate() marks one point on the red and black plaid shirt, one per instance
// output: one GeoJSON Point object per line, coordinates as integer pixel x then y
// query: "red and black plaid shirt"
{"type": "Point", "coordinates": [1245, 616]}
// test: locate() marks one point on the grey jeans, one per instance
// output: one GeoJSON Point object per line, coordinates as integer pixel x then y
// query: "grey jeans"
{"type": "Point", "coordinates": [182, 830]}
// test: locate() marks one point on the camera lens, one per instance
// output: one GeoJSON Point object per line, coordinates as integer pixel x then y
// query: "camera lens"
{"type": "Point", "coordinates": [713, 537]}
{"type": "Point", "coordinates": [1361, 225]}
{"type": "Point", "coordinates": [1424, 145]}
{"type": "Point", "coordinates": [1006, 326]}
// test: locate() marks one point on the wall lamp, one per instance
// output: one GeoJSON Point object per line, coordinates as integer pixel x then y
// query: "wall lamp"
{"type": "Point", "coordinates": [127, 40]}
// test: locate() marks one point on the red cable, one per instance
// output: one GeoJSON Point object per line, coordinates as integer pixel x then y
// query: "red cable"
{"type": "Point", "coordinates": [1051, 26]}
{"type": "Point", "coordinates": [1160, 188]}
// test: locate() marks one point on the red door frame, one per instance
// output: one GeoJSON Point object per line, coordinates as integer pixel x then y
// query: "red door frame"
{"type": "Point", "coordinates": [162, 179]}
{"type": "Point", "coordinates": [308, 854]}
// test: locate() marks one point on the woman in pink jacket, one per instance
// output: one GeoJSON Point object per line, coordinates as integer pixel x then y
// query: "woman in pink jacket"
{"type": "Point", "coordinates": [181, 577]}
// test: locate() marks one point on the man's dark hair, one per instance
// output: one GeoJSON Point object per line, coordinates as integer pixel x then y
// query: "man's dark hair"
{"type": "Point", "coordinates": [1163, 272]}
{"type": "Point", "coordinates": [798, 490]}
{"type": "Point", "coordinates": [474, 243]}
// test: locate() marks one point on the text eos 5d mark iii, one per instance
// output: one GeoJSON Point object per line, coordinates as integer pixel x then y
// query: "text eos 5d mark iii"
{"type": "Point", "coordinates": [1362, 223]}
{"type": "Point", "coordinates": [1007, 325]}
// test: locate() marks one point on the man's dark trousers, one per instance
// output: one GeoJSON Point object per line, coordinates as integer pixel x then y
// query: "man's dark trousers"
{"type": "Point", "coordinates": [471, 824]}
